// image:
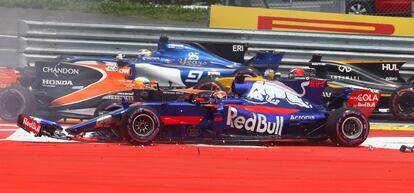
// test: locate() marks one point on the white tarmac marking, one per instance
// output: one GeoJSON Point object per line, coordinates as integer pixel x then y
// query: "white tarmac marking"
{"type": "Point", "coordinates": [22, 135]}
{"type": "Point", "coordinates": [8, 36]}
{"type": "Point", "coordinates": [8, 130]}
{"type": "Point", "coordinates": [388, 142]}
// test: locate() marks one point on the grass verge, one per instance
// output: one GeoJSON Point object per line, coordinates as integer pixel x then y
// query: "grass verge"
{"type": "Point", "coordinates": [113, 7]}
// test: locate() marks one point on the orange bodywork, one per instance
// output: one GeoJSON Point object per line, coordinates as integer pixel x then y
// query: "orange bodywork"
{"type": "Point", "coordinates": [111, 82]}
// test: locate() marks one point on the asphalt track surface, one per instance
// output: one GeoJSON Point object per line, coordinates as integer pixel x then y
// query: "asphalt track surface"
{"type": "Point", "coordinates": [289, 166]}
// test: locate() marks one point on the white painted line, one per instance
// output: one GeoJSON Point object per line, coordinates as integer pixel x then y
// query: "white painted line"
{"type": "Point", "coordinates": [8, 50]}
{"type": "Point", "coordinates": [8, 130]}
{"type": "Point", "coordinates": [393, 124]}
{"type": "Point", "coordinates": [22, 135]}
{"type": "Point", "coordinates": [388, 142]}
{"type": "Point", "coordinates": [8, 36]}
{"type": "Point", "coordinates": [7, 125]}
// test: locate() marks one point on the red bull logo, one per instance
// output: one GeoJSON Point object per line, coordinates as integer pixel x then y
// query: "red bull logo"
{"type": "Point", "coordinates": [31, 125]}
{"type": "Point", "coordinates": [273, 92]}
{"type": "Point", "coordinates": [257, 122]}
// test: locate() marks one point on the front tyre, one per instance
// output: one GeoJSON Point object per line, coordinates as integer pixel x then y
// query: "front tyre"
{"type": "Point", "coordinates": [402, 105]}
{"type": "Point", "coordinates": [347, 127]}
{"type": "Point", "coordinates": [141, 125]}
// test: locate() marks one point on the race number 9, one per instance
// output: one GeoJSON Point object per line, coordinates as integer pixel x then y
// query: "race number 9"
{"type": "Point", "coordinates": [194, 76]}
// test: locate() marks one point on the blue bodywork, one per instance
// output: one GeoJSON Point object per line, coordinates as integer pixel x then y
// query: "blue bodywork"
{"type": "Point", "coordinates": [263, 110]}
{"type": "Point", "coordinates": [184, 65]}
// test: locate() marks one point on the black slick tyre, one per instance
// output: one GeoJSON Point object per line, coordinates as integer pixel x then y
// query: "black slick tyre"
{"type": "Point", "coordinates": [402, 103]}
{"type": "Point", "coordinates": [141, 125]}
{"type": "Point", "coordinates": [15, 100]}
{"type": "Point", "coordinates": [347, 127]}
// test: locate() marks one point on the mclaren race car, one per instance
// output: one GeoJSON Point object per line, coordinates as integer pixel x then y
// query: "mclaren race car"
{"type": "Point", "coordinates": [397, 94]}
{"type": "Point", "coordinates": [259, 111]}
{"type": "Point", "coordinates": [50, 89]}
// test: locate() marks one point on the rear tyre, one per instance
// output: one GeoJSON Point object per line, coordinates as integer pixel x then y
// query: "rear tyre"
{"type": "Point", "coordinates": [209, 84]}
{"type": "Point", "coordinates": [347, 127]}
{"type": "Point", "coordinates": [402, 105]}
{"type": "Point", "coordinates": [141, 125]}
{"type": "Point", "coordinates": [15, 100]}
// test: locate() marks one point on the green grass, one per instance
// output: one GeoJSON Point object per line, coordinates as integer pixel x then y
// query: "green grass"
{"type": "Point", "coordinates": [113, 7]}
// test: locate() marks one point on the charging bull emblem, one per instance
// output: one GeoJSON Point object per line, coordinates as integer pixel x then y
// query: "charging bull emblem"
{"type": "Point", "coordinates": [267, 92]}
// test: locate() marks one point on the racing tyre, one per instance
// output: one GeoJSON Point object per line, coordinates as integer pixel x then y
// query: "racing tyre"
{"type": "Point", "coordinates": [209, 84]}
{"type": "Point", "coordinates": [347, 127]}
{"type": "Point", "coordinates": [15, 100]}
{"type": "Point", "coordinates": [248, 72]}
{"type": "Point", "coordinates": [402, 105]}
{"type": "Point", "coordinates": [141, 125]}
{"type": "Point", "coordinates": [359, 7]}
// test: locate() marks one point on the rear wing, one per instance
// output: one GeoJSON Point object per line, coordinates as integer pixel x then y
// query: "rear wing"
{"type": "Point", "coordinates": [386, 69]}
{"type": "Point", "coordinates": [231, 51]}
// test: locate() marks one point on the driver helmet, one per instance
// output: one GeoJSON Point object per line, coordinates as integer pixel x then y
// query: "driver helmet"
{"type": "Point", "coordinates": [219, 94]}
{"type": "Point", "coordinates": [270, 74]}
{"type": "Point", "coordinates": [142, 80]}
{"type": "Point", "coordinates": [144, 52]}
{"type": "Point", "coordinates": [296, 72]}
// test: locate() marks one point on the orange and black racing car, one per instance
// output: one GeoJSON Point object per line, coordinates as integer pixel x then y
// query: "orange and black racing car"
{"type": "Point", "coordinates": [72, 89]}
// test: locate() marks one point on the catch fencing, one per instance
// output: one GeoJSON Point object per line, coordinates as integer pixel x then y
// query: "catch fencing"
{"type": "Point", "coordinates": [49, 40]}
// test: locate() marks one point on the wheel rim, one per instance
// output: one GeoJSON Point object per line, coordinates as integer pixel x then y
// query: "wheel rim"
{"type": "Point", "coordinates": [11, 103]}
{"type": "Point", "coordinates": [143, 125]}
{"type": "Point", "coordinates": [352, 127]}
{"type": "Point", "coordinates": [405, 103]}
{"type": "Point", "coordinates": [358, 9]}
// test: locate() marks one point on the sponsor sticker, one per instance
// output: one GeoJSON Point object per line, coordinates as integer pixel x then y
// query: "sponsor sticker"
{"type": "Point", "coordinates": [254, 122]}
{"type": "Point", "coordinates": [389, 67]}
{"type": "Point", "coordinates": [53, 83]}
{"type": "Point", "coordinates": [364, 100]}
{"type": "Point", "coordinates": [31, 125]}
{"type": "Point", "coordinates": [56, 70]}
{"type": "Point", "coordinates": [274, 92]}
{"type": "Point", "coordinates": [344, 69]}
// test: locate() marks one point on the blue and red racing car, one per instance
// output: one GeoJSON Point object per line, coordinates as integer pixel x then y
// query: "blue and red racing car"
{"type": "Point", "coordinates": [259, 111]}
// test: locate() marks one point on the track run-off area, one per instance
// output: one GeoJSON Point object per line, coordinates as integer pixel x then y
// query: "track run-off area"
{"type": "Point", "coordinates": [30, 164]}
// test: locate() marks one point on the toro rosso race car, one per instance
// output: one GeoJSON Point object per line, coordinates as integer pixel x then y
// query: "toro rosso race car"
{"type": "Point", "coordinates": [259, 111]}
{"type": "Point", "coordinates": [397, 95]}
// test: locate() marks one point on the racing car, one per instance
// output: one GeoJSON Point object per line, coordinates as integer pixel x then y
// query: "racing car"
{"type": "Point", "coordinates": [51, 89]}
{"type": "Point", "coordinates": [57, 88]}
{"type": "Point", "coordinates": [259, 111]}
{"type": "Point", "coordinates": [397, 94]}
